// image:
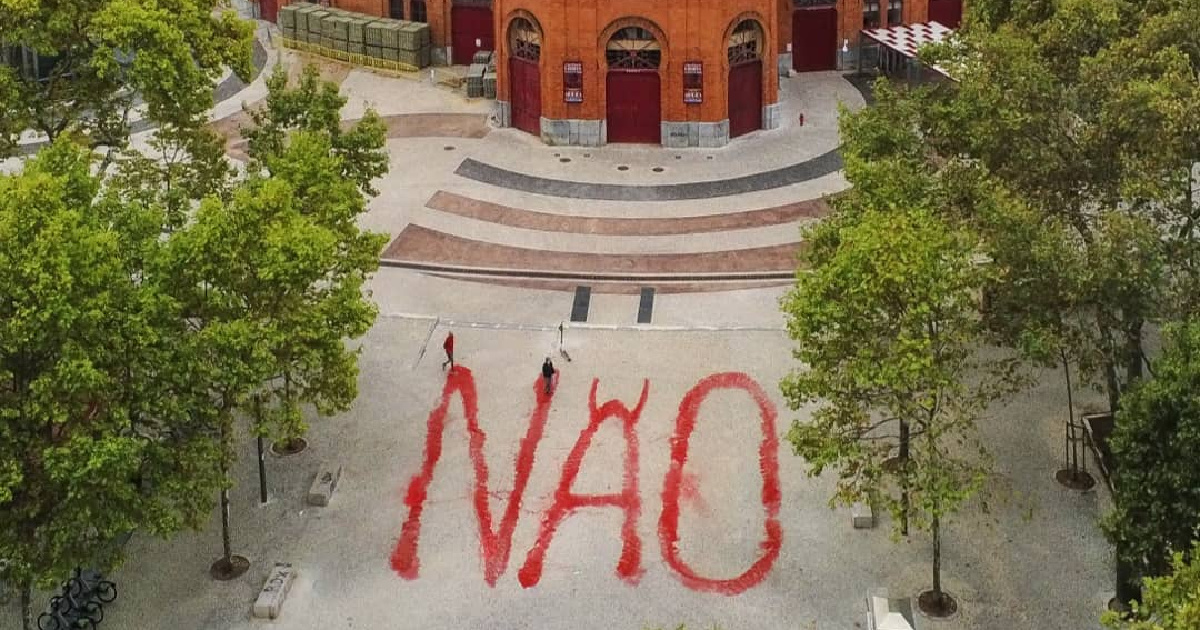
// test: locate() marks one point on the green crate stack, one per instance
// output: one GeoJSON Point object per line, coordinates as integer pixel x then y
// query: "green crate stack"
{"type": "Point", "coordinates": [391, 34]}
{"type": "Point", "coordinates": [316, 20]}
{"type": "Point", "coordinates": [391, 54]}
{"type": "Point", "coordinates": [475, 80]}
{"type": "Point", "coordinates": [373, 33]}
{"type": "Point", "coordinates": [287, 21]}
{"type": "Point", "coordinates": [337, 27]}
{"type": "Point", "coordinates": [301, 13]}
{"type": "Point", "coordinates": [357, 29]}
{"type": "Point", "coordinates": [489, 84]}
{"type": "Point", "coordinates": [375, 52]}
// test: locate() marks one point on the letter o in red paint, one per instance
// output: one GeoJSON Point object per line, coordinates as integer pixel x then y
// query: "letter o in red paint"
{"type": "Point", "coordinates": [768, 455]}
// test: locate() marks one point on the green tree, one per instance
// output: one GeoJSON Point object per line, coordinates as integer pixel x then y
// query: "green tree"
{"type": "Point", "coordinates": [886, 325]}
{"type": "Point", "coordinates": [1170, 602]}
{"type": "Point", "coordinates": [98, 58]}
{"type": "Point", "coordinates": [1157, 482]}
{"type": "Point", "coordinates": [1087, 113]}
{"type": "Point", "coordinates": [103, 429]}
{"type": "Point", "coordinates": [277, 270]}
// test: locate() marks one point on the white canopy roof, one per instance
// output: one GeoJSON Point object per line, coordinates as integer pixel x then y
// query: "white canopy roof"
{"type": "Point", "coordinates": [908, 38]}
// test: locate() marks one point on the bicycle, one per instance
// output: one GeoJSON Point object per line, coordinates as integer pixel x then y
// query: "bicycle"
{"type": "Point", "coordinates": [91, 583]}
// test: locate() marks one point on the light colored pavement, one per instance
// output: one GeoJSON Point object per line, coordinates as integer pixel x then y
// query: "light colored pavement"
{"type": "Point", "coordinates": [1034, 561]}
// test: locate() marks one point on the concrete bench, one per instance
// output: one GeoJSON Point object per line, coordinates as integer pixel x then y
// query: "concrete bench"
{"type": "Point", "coordinates": [884, 613]}
{"type": "Point", "coordinates": [324, 484]}
{"type": "Point", "coordinates": [274, 591]}
{"type": "Point", "coordinates": [862, 516]}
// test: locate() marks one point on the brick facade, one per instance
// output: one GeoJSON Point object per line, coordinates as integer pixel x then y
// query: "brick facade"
{"type": "Point", "coordinates": [687, 31]}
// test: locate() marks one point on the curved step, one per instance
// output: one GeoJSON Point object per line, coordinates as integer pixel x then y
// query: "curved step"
{"type": "Point", "coordinates": [424, 249]}
{"type": "Point", "coordinates": [489, 212]}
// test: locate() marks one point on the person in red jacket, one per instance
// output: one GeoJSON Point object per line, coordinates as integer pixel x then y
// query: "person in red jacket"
{"type": "Point", "coordinates": [448, 346]}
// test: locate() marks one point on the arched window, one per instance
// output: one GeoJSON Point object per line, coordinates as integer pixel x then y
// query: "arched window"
{"type": "Point", "coordinates": [633, 48]}
{"type": "Point", "coordinates": [524, 40]}
{"type": "Point", "coordinates": [746, 42]}
{"type": "Point", "coordinates": [419, 13]}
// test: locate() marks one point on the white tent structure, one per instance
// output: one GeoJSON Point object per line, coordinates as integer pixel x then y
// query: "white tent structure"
{"type": "Point", "coordinates": [901, 43]}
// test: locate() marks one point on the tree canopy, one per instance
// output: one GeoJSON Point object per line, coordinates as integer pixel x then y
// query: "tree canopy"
{"type": "Point", "coordinates": [1170, 602]}
{"type": "Point", "coordinates": [1157, 481]}
{"type": "Point", "coordinates": [81, 67]}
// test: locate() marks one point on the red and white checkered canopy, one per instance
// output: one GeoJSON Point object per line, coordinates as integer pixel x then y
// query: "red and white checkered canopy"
{"type": "Point", "coordinates": [910, 37]}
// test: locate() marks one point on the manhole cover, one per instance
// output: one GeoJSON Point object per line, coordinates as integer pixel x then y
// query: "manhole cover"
{"type": "Point", "coordinates": [678, 157]}
{"type": "Point", "coordinates": [657, 169]}
{"type": "Point", "coordinates": [622, 168]}
{"type": "Point", "coordinates": [587, 155]}
{"type": "Point", "coordinates": [447, 148]}
{"type": "Point", "coordinates": [557, 154]}
{"type": "Point", "coordinates": [708, 157]}
{"type": "Point", "coordinates": [564, 160]}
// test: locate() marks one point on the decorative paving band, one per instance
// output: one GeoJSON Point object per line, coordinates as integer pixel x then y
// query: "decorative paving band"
{"type": "Point", "coordinates": [824, 164]}
{"type": "Point", "coordinates": [425, 249]}
{"type": "Point", "coordinates": [459, 205]}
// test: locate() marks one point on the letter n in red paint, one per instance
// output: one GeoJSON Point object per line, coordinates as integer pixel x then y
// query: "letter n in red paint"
{"type": "Point", "coordinates": [629, 567]}
{"type": "Point", "coordinates": [768, 460]}
{"type": "Point", "coordinates": [494, 544]}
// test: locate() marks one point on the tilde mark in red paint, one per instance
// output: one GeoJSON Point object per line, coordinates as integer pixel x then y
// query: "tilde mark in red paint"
{"type": "Point", "coordinates": [494, 544]}
{"type": "Point", "coordinates": [629, 567]}
{"type": "Point", "coordinates": [768, 456]}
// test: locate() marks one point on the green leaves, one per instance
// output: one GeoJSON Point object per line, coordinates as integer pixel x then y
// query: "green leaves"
{"type": "Point", "coordinates": [1170, 602]}
{"type": "Point", "coordinates": [167, 52]}
{"type": "Point", "coordinates": [1157, 435]}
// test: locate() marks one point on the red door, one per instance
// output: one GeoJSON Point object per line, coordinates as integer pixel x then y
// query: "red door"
{"type": "Point", "coordinates": [814, 39]}
{"type": "Point", "coordinates": [634, 109]}
{"type": "Point", "coordinates": [268, 10]}
{"type": "Point", "coordinates": [525, 85]}
{"type": "Point", "coordinates": [948, 12]}
{"type": "Point", "coordinates": [745, 98]}
{"type": "Point", "coordinates": [469, 24]}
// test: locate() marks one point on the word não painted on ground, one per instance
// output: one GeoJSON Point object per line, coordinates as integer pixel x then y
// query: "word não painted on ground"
{"type": "Point", "coordinates": [496, 541]}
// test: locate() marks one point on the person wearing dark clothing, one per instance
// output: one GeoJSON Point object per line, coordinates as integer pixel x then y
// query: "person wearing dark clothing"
{"type": "Point", "coordinates": [448, 346]}
{"type": "Point", "coordinates": [547, 373]}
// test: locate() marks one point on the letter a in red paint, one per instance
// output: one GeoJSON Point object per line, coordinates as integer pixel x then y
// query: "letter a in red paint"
{"type": "Point", "coordinates": [768, 459]}
{"type": "Point", "coordinates": [629, 567]}
{"type": "Point", "coordinates": [494, 544]}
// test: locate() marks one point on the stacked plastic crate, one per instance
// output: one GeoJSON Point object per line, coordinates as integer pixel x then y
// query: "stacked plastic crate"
{"type": "Point", "coordinates": [336, 32]}
{"type": "Point", "coordinates": [315, 27]}
{"type": "Point", "coordinates": [392, 44]}
{"type": "Point", "coordinates": [287, 22]}
{"type": "Point", "coordinates": [414, 44]}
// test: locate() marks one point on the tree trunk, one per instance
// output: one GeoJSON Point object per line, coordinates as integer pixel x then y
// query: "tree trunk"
{"type": "Point", "coordinates": [904, 507]}
{"type": "Point", "coordinates": [1072, 438]}
{"type": "Point", "coordinates": [27, 605]}
{"type": "Point", "coordinates": [936, 526]}
{"type": "Point", "coordinates": [262, 458]}
{"type": "Point", "coordinates": [226, 544]}
{"type": "Point", "coordinates": [1133, 352]}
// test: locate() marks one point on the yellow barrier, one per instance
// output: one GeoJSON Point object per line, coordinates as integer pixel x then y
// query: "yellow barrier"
{"type": "Point", "coordinates": [354, 58]}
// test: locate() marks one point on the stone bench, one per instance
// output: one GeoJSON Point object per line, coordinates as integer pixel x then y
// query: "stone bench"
{"type": "Point", "coordinates": [884, 613]}
{"type": "Point", "coordinates": [862, 516]}
{"type": "Point", "coordinates": [324, 484]}
{"type": "Point", "coordinates": [274, 591]}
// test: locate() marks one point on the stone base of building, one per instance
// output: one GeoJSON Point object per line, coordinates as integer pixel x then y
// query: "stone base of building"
{"type": "Point", "coordinates": [504, 113]}
{"type": "Point", "coordinates": [579, 133]}
{"type": "Point", "coordinates": [708, 135]}
{"type": "Point", "coordinates": [440, 56]}
{"type": "Point", "coordinates": [772, 116]}
{"type": "Point", "coordinates": [785, 65]}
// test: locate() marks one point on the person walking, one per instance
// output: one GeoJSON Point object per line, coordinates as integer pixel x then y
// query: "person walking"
{"type": "Point", "coordinates": [448, 346]}
{"type": "Point", "coordinates": [547, 373]}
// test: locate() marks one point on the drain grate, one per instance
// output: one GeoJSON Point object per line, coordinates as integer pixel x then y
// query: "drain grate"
{"type": "Point", "coordinates": [583, 301]}
{"type": "Point", "coordinates": [646, 305]}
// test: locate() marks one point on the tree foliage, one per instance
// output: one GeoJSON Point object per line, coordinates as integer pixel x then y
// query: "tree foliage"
{"type": "Point", "coordinates": [1085, 115]}
{"type": "Point", "coordinates": [1170, 602]}
{"type": "Point", "coordinates": [886, 327]}
{"type": "Point", "coordinates": [107, 56]}
{"type": "Point", "coordinates": [1157, 482]}
{"type": "Point", "coordinates": [100, 406]}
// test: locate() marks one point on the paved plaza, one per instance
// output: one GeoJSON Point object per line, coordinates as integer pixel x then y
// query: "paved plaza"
{"type": "Point", "coordinates": [652, 486]}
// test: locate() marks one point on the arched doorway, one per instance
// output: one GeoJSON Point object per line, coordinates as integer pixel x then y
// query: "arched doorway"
{"type": "Point", "coordinates": [745, 78]}
{"type": "Point", "coordinates": [471, 29]}
{"type": "Point", "coordinates": [524, 75]}
{"type": "Point", "coordinates": [633, 86]}
{"type": "Point", "coordinates": [814, 35]}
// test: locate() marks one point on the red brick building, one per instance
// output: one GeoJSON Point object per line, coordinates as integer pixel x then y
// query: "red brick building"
{"type": "Point", "coordinates": [676, 72]}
